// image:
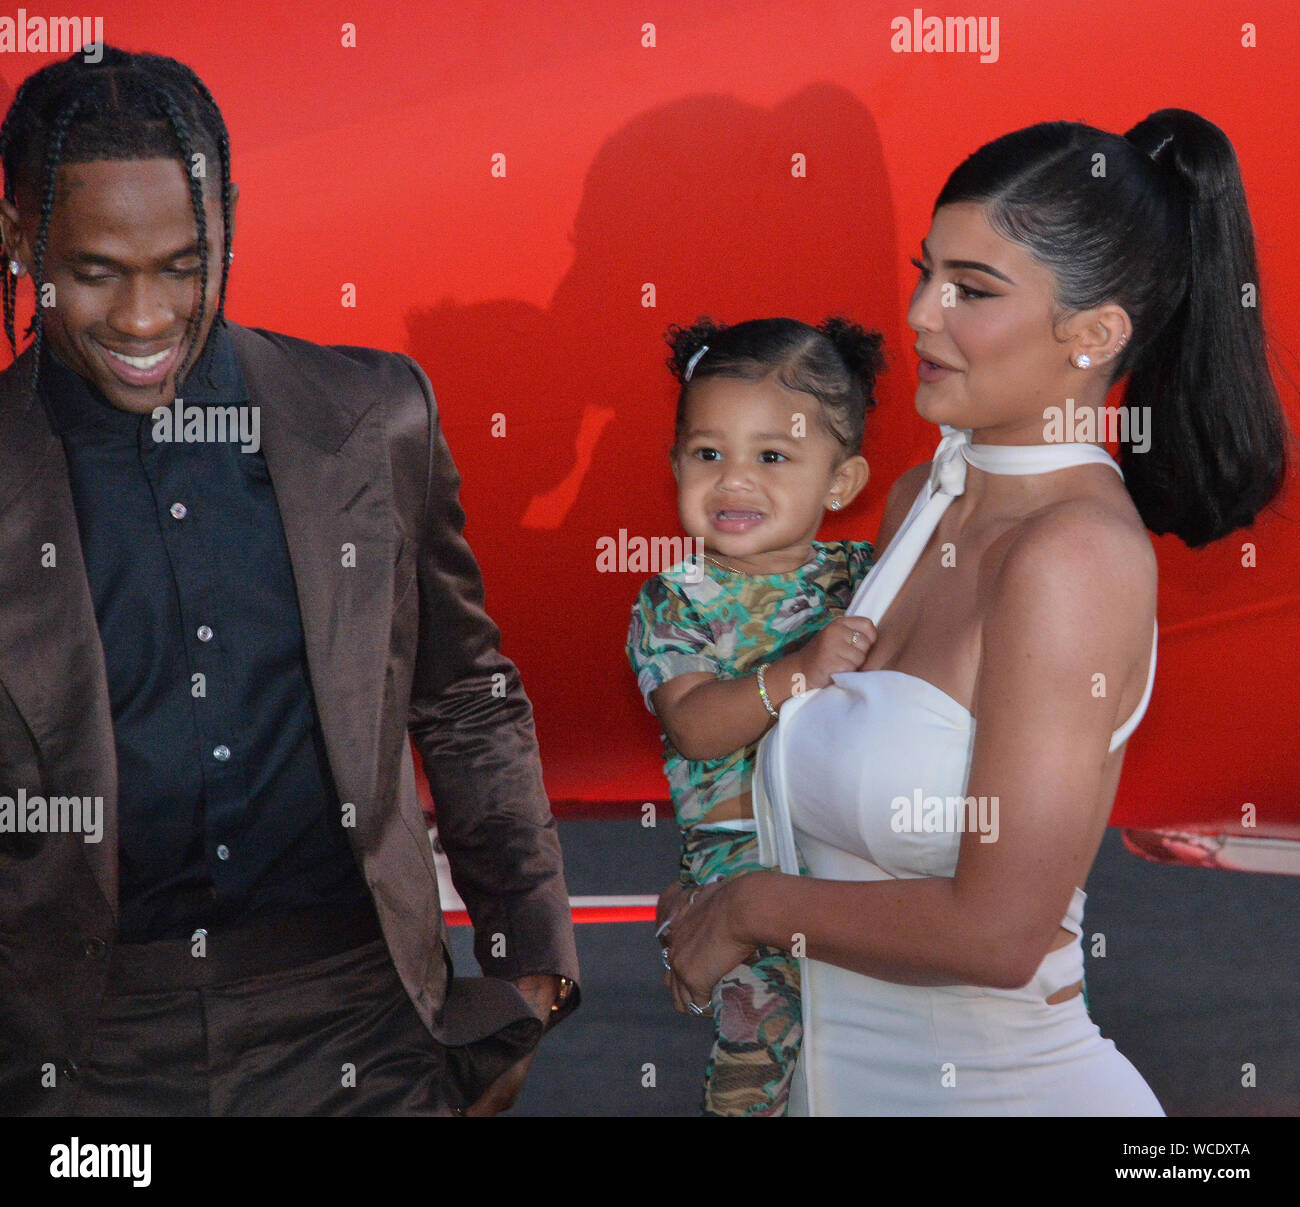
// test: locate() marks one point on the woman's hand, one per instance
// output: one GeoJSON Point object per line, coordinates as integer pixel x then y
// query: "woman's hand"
{"type": "Point", "coordinates": [703, 942]}
{"type": "Point", "coordinates": [670, 901]}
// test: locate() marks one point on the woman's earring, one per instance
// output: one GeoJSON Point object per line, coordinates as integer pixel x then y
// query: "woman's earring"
{"type": "Point", "coordinates": [1083, 361]}
{"type": "Point", "coordinates": [230, 257]}
{"type": "Point", "coordinates": [15, 268]}
{"type": "Point", "coordinates": [836, 504]}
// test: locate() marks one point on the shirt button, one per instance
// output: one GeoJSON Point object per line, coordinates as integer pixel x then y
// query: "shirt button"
{"type": "Point", "coordinates": [205, 633]}
{"type": "Point", "coordinates": [223, 852]}
{"type": "Point", "coordinates": [179, 511]}
{"type": "Point", "coordinates": [221, 754]}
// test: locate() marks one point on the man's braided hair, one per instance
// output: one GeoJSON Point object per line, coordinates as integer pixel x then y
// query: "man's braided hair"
{"type": "Point", "coordinates": [126, 106]}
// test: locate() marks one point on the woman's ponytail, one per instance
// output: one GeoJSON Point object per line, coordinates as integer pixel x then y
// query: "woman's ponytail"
{"type": "Point", "coordinates": [1217, 454]}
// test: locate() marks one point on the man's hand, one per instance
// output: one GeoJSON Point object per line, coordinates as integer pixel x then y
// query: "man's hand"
{"type": "Point", "coordinates": [539, 992]}
{"type": "Point", "coordinates": [502, 1094]}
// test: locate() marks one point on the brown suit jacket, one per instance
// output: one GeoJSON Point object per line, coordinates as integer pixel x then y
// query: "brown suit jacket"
{"type": "Point", "coordinates": [399, 642]}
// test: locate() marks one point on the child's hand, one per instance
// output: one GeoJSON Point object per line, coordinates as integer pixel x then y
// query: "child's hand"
{"type": "Point", "coordinates": [843, 645]}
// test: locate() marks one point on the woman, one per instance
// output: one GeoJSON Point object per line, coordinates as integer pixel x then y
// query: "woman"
{"type": "Point", "coordinates": [941, 917]}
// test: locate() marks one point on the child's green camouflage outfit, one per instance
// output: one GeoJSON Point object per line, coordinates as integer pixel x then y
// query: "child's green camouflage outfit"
{"type": "Point", "coordinates": [700, 617]}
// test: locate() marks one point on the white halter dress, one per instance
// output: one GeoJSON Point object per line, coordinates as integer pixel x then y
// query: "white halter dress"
{"type": "Point", "coordinates": [825, 779]}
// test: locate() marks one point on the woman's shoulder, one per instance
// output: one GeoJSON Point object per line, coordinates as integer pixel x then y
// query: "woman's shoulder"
{"type": "Point", "coordinates": [1078, 555]}
{"type": "Point", "coordinates": [902, 494]}
{"type": "Point", "coordinates": [1071, 602]}
{"type": "Point", "coordinates": [907, 483]}
{"type": "Point", "coordinates": [1083, 530]}
{"type": "Point", "coordinates": [899, 502]}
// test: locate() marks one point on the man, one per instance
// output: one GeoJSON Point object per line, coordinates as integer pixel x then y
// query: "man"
{"type": "Point", "coordinates": [218, 623]}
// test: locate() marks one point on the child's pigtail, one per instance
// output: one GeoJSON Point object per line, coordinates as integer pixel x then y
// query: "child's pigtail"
{"type": "Point", "coordinates": [859, 349]}
{"type": "Point", "coordinates": [686, 342]}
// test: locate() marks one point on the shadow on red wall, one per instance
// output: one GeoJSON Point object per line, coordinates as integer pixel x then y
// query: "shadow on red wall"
{"type": "Point", "coordinates": [704, 202]}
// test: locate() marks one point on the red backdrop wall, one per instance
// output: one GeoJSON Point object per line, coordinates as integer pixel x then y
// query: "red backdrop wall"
{"type": "Point", "coordinates": [625, 165]}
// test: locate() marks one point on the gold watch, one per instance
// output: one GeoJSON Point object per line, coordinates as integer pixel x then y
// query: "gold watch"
{"type": "Point", "coordinates": [562, 994]}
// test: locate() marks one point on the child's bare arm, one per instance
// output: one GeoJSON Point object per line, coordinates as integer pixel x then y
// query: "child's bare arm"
{"type": "Point", "coordinates": [706, 717]}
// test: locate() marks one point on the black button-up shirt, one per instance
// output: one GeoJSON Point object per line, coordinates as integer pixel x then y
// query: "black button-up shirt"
{"type": "Point", "coordinates": [226, 806]}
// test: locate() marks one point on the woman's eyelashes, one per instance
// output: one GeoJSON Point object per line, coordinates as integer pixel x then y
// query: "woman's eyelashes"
{"type": "Point", "coordinates": [966, 291]}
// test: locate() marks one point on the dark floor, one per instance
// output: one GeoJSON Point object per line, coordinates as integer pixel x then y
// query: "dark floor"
{"type": "Point", "coordinates": [1198, 980]}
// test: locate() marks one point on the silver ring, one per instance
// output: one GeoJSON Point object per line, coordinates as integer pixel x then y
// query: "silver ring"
{"type": "Point", "coordinates": [855, 637]}
{"type": "Point", "coordinates": [663, 955]}
{"type": "Point", "coordinates": [699, 1011]}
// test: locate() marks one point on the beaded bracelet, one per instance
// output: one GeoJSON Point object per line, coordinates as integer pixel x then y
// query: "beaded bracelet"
{"type": "Point", "coordinates": [762, 691]}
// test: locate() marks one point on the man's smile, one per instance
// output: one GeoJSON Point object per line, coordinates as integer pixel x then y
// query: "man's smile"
{"type": "Point", "coordinates": [147, 370]}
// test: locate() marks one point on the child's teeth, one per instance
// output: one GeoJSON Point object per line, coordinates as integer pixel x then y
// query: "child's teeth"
{"type": "Point", "coordinates": [140, 362]}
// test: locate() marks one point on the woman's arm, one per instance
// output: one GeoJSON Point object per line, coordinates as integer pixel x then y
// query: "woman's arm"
{"type": "Point", "coordinates": [1074, 598]}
